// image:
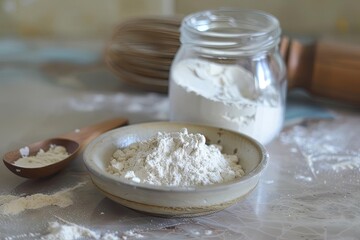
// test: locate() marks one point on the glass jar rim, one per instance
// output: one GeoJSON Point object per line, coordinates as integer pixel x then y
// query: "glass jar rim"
{"type": "Point", "coordinates": [237, 29]}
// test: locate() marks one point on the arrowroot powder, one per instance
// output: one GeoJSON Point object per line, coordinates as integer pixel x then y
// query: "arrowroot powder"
{"type": "Point", "coordinates": [224, 96]}
{"type": "Point", "coordinates": [175, 159]}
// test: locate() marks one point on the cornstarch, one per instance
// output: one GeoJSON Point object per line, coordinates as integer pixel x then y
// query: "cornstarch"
{"type": "Point", "coordinates": [175, 159]}
{"type": "Point", "coordinates": [42, 158]}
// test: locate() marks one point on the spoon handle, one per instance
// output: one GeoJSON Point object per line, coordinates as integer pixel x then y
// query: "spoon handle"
{"type": "Point", "coordinates": [84, 135]}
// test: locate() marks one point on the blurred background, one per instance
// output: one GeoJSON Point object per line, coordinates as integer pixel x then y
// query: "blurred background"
{"type": "Point", "coordinates": [65, 37]}
{"type": "Point", "coordinates": [96, 19]}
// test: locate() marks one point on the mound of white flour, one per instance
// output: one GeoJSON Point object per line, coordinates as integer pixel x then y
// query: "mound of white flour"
{"type": "Point", "coordinates": [175, 159]}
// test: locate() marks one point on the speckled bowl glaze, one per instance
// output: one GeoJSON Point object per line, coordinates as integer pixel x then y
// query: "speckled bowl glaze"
{"type": "Point", "coordinates": [174, 201]}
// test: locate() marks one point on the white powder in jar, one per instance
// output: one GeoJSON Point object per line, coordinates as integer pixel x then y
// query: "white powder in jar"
{"type": "Point", "coordinates": [175, 159]}
{"type": "Point", "coordinates": [224, 96]}
{"type": "Point", "coordinates": [42, 158]}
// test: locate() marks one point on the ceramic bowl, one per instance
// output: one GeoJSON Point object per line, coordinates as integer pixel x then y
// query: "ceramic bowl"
{"type": "Point", "coordinates": [168, 200]}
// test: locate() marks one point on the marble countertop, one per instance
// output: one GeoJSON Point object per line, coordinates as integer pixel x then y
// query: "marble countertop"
{"type": "Point", "coordinates": [310, 189]}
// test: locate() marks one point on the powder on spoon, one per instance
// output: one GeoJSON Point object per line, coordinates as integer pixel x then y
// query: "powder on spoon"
{"type": "Point", "coordinates": [42, 158]}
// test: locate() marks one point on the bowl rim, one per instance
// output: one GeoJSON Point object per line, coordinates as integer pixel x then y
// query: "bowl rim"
{"type": "Point", "coordinates": [164, 188]}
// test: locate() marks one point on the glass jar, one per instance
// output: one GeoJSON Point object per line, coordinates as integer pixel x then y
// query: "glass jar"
{"type": "Point", "coordinates": [228, 73]}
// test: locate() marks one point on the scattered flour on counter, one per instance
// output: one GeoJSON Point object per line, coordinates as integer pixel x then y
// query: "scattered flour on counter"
{"type": "Point", "coordinates": [110, 236]}
{"type": "Point", "coordinates": [42, 158]}
{"type": "Point", "coordinates": [132, 234]}
{"type": "Point", "coordinates": [175, 159]}
{"type": "Point", "coordinates": [66, 230]}
{"type": "Point", "coordinates": [7, 198]}
{"type": "Point", "coordinates": [12, 205]}
{"type": "Point", "coordinates": [23, 236]}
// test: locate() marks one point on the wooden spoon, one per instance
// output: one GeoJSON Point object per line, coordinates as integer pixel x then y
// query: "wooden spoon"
{"type": "Point", "coordinates": [73, 143]}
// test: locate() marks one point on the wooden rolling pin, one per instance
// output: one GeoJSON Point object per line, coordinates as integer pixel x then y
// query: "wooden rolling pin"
{"type": "Point", "coordinates": [327, 67]}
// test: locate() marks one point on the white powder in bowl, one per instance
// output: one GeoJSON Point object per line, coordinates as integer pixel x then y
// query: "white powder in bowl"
{"type": "Point", "coordinates": [42, 158]}
{"type": "Point", "coordinates": [175, 159]}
